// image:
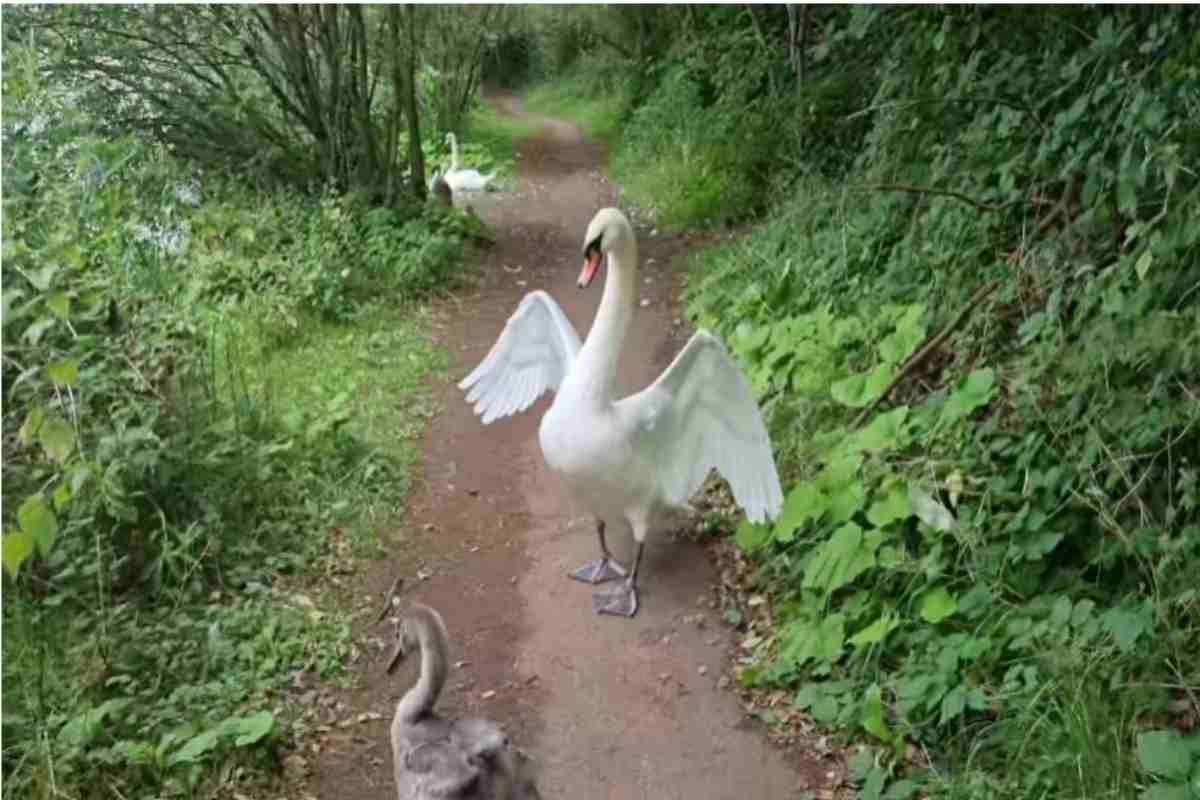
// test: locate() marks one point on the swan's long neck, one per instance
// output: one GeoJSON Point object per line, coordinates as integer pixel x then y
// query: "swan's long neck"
{"type": "Point", "coordinates": [418, 701]}
{"type": "Point", "coordinates": [595, 370]}
{"type": "Point", "coordinates": [453, 153]}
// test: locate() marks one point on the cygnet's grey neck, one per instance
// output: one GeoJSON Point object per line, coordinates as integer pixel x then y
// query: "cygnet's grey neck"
{"type": "Point", "coordinates": [419, 700]}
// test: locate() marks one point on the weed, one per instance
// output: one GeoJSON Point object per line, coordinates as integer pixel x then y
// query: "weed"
{"type": "Point", "coordinates": [984, 407]}
{"type": "Point", "coordinates": [206, 388]}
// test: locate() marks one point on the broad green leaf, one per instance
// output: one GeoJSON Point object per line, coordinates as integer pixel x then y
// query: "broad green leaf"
{"type": "Point", "coordinates": [930, 511]}
{"type": "Point", "coordinates": [805, 639]}
{"type": "Point", "coordinates": [38, 521]}
{"type": "Point", "coordinates": [876, 631]}
{"type": "Point", "coordinates": [873, 786]}
{"type": "Point", "coordinates": [886, 431]}
{"type": "Point", "coordinates": [30, 427]}
{"type": "Point", "coordinates": [1060, 615]}
{"type": "Point", "coordinates": [41, 278]}
{"type": "Point", "coordinates": [842, 558]}
{"type": "Point", "coordinates": [195, 748]}
{"type": "Point", "coordinates": [253, 728]}
{"type": "Point", "coordinates": [62, 496]}
{"type": "Point", "coordinates": [974, 392]}
{"type": "Point", "coordinates": [1040, 545]}
{"type": "Point", "coordinates": [953, 703]}
{"type": "Point", "coordinates": [1082, 613]}
{"type": "Point", "coordinates": [59, 304]}
{"type": "Point", "coordinates": [33, 334]}
{"type": "Point", "coordinates": [850, 391]}
{"type": "Point", "coordinates": [937, 604]}
{"type": "Point", "coordinates": [751, 536]}
{"type": "Point", "coordinates": [57, 438]}
{"type": "Point", "coordinates": [1126, 625]}
{"type": "Point", "coordinates": [872, 718]}
{"type": "Point", "coordinates": [893, 506]}
{"type": "Point", "coordinates": [908, 336]}
{"type": "Point", "coordinates": [1143, 264]}
{"type": "Point", "coordinates": [845, 502]}
{"type": "Point", "coordinates": [83, 728]}
{"type": "Point", "coordinates": [17, 547]}
{"type": "Point", "coordinates": [821, 704]}
{"type": "Point", "coordinates": [841, 470]}
{"type": "Point", "coordinates": [804, 502]}
{"type": "Point", "coordinates": [64, 373]}
{"type": "Point", "coordinates": [1165, 753]}
{"type": "Point", "coordinates": [857, 391]}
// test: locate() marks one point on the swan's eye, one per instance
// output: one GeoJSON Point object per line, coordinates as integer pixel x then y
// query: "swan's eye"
{"type": "Point", "coordinates": [593, 248]}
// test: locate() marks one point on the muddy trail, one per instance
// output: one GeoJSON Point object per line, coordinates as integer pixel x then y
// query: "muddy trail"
{"type": "Point", "coordinates": [608, 707]}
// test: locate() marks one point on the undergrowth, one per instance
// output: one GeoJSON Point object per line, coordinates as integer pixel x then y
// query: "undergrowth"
{"type": "Point", "coordinates": [985, 560]}
{"type": "Point", "coordinates": [211, 395]}
{"type": "Point", "coordinates": [972, 315]}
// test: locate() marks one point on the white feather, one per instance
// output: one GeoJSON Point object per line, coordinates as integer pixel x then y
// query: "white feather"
{"type": "Point", "coordinates": [533, 354]}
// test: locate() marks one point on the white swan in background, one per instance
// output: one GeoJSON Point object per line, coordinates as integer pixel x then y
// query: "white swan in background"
{"type": "Point", "coordinates": [464, 180]}
{"type": "Point", "coordinates": [627, 461]}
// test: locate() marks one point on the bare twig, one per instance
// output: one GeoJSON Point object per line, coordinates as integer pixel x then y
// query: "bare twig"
{"type": "Point", "coordinates": [391, 594]}
{"type": "Point", "coordinates": [1060, 208]}
{"type": "Point", "coordinates": [930, 346]}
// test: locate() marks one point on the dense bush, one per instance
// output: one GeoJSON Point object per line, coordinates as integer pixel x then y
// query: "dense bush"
{"type": "Point", "coordinates": [181, 431]}
{"type": "Point", "coordinates": [996, 567]}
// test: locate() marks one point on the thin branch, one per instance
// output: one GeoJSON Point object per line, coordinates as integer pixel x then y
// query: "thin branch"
{"type": "Point", "coordinates": [388, 600]}
{"type": "Point", "coordinates": [925, 351]}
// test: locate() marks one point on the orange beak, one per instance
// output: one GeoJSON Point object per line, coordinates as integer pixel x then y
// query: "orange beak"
{"type": "Point", "coordinates": [591, 265]}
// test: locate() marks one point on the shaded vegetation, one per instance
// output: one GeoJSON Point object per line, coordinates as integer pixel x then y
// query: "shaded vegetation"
{"type": "Point", "coordinates": [212, 383]}
{"type": "Point", "coordinates": [971, 308]}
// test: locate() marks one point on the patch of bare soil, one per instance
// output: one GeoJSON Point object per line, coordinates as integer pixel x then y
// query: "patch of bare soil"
{"type": "Point", "coordinates": [609, 707]}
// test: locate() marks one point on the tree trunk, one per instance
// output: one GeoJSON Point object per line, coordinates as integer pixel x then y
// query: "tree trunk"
{"type": "Point", "coordinates": [416, 156]}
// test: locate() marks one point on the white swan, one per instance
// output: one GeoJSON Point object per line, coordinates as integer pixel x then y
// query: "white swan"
{"type": "Point", "coordinates": [464, 180]}
{"type": "Point", "coordinates": [627, 461]}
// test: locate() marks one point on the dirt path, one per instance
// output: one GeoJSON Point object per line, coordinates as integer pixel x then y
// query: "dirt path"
{"type": "Point", "coordinates": [611, 708]}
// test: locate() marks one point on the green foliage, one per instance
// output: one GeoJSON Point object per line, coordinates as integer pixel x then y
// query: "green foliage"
{"type": "Point", "coordinates": [992, 564]}
{"type": "Point", "coordinates": [596, 95]}
{"type": "Point", "coordinates": [210, 393]}
{"type": "Point", "coordinates": [287, 95]}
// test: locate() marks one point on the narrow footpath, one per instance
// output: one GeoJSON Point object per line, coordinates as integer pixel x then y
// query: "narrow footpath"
{"type": "Point", "coordinates": [608, 707]}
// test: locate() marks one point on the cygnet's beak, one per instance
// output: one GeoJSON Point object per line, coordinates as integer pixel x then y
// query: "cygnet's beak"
{"type": "Point", "coordinates": [591, 265]}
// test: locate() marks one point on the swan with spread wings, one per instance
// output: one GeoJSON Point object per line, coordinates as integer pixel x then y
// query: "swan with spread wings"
{"type": "Point", "coordinates": [628, 461]}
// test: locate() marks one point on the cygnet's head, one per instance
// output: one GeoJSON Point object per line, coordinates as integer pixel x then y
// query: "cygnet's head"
{"type": "Point", "coordinates": [609, 230]}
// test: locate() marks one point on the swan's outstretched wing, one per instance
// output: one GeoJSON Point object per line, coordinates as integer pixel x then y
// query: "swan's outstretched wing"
{"type": "Point", "coordinates": [700, 414]}
{"type": "Point", "coordinates": [533, 354]}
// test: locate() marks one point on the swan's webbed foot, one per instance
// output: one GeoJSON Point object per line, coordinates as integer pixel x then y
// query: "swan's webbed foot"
{"type": "Point", "coordinates": [599, 571]}
{"type": "Point", "coordinates": [620, 602]}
